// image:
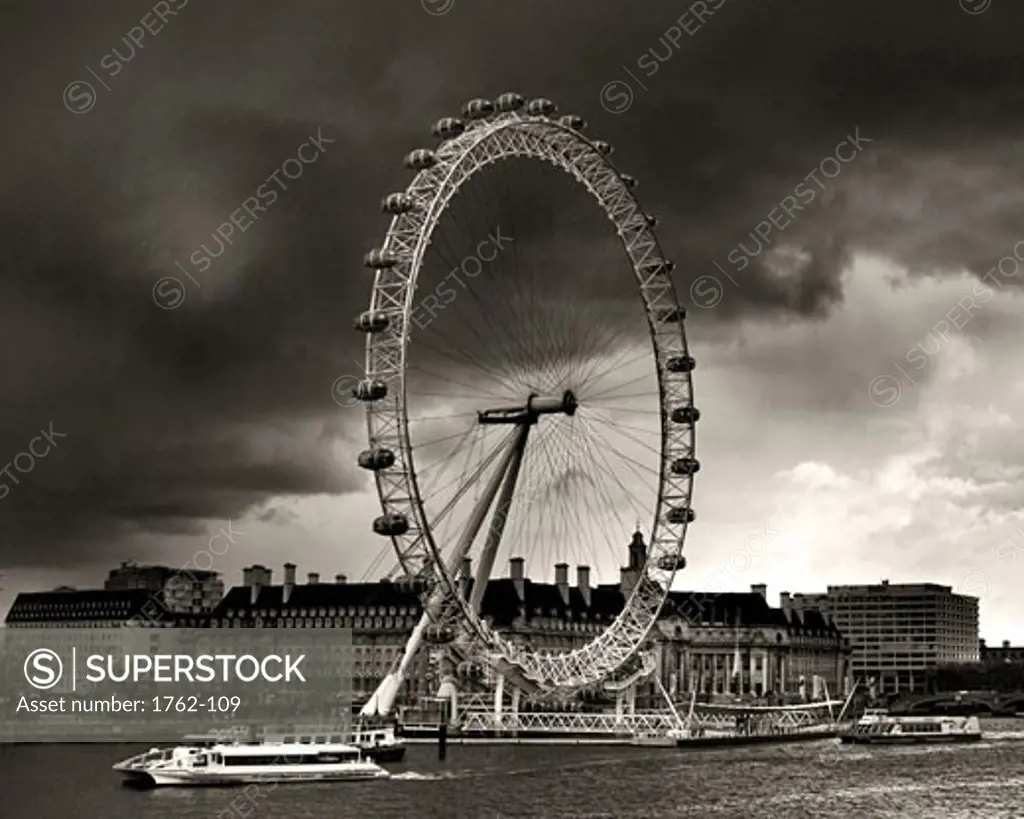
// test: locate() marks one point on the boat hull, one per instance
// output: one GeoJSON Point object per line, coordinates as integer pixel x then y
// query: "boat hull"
{"type": "Point", "coordinates": [734, 740]}
{"type": "Point", "coordinates": [938, 739]}
{"type": "Point", "coordinates": [191, 779]}
{"type": "Point", "coordinates": [387, 753]}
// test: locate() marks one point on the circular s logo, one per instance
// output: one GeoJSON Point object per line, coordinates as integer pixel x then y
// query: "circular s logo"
{"type": "Point", "coordinates": [43, 668]}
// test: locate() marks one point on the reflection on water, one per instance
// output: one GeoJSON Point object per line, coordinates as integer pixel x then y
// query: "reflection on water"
{"type": "Point", "coordinates": [477, 782]}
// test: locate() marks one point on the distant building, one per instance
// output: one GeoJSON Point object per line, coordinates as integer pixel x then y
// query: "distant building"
{"type": "Point", "coordinates": [793, 652]}
{"type": "Point", "coordinates": [92, 608]}
{"type": "Point", "coordinates": [1004, 655]}
{"type": "Point", "coordinates": [184, 590]}
{"type": "Point", "coordinates": [897, 632]}
{"type": "Point", "coordinates": [735, 643]}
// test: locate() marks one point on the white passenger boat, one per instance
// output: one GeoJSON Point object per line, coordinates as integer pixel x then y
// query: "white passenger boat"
{"type": "Point", "coordinates": [238, 764]}
{"type": "Point", "coordinates": [880, 728]}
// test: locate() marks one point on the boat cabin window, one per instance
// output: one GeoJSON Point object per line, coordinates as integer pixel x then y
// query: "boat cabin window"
{"type": "Point", "coordinates": [199, 761]}
{"type": "Point", "coordinates": [320, 740]}
{"type": "Point", "coordinates": [289, 740]}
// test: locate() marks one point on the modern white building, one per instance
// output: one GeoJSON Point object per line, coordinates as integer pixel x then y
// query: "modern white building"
{"type": "Point", "coordinates": [897, 631]}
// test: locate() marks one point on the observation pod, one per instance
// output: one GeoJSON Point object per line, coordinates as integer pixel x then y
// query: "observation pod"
{"type": "Point", "coordinates": [681, 364]}
{"type": "Point", "coordinates": [573, 121]}
{"type": "Point", "coordinates": [602, 146]}
{"type": "Point", "coordinates": [376, 458]}
{"type": "Point", "coordinates": [672, 314]}
{"type": "Point", "coordinates": [629, 181]}
{"type": "Point", "coordinates": [370, 389]}
{"type": "Point", "coordinates": [396, 203]}
{"type": "Point", "coordinates": [541, 107]}
{"type": "Point", "coordinates": [391, 525]}
{"type": "Point", "coordinates": [439, 635]}
{"type": "Point", "coordinates": [372, 321]}
{"type": "Point", "coordinates": [378, 259]}
{"type": "Point", "coordinates": [478, 109]}
{"type": "Point", "coordinates": [448, 127]}
{"type": "Point", "coordinates": [680, 514]}
{"type": "Point", "coordinates": [509, 102]}
{"type": "Point", "coordinates": [685, 415]}
{"type": "Point", "coordinates": [652, 221]}
{"type": "Point", "coordinates": [685, 466]}
{"type": "Point", "coordinates": [420, 159]}
{"type": "Point", "coordinates": [672, 563]}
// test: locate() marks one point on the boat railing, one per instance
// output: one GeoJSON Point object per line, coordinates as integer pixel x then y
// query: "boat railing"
{"type": "Point", "coordinates": [148, 759]}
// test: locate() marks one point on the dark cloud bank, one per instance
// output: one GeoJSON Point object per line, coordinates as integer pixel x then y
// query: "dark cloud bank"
{"type": "Point", "coordinates": [176, 416]}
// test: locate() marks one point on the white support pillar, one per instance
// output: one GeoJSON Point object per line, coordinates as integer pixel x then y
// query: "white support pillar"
{"type": "Point", "coordinates": [499, 699]}
{"type": "Point", "coordinates": [515, 701]}
{"type": "Point", "coordinates": [620, 702]}
{"type": "Point", "coordinates": [765, 673]}
{"type": "Point", "coordinates": [631, 699]}
{"type": "Point", "coordinates": [753, 672]}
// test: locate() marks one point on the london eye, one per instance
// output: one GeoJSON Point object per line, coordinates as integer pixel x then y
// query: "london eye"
{"type": "Point", "coordinates": [528, 385]}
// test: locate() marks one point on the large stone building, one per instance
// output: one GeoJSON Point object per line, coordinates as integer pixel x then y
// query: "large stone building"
{"type": "Point", "coordinates": [898, 632]}
{"type": "Point", "coordinates": [707, 644]}
{"type": "Point", "coordinates": [191, 590]}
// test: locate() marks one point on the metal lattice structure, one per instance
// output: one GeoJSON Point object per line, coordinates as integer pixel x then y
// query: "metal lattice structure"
{"type": "Point", "coordinates": [492, 133]}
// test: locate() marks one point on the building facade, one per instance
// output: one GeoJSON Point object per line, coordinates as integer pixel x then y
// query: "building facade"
{"type": "Point", "coordinates": [183, 590]}
{"type": "Point", "coordinates": [897, 632]}
{"type": "Point", "coordinates": [722, 644]}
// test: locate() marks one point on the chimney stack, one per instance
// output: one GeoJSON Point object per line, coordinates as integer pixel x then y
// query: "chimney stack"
{"type": "Point", "coordinates": [340, 579]}
{"type": "Point", "coordinates": [583, 583]}
{"type": "Point", "coordinates": [466, 577]}
{"type": "Point", "coordinates": [257, 583]}
{"type": "Point", "coordinates": [289, 582]}
{"type": "Point", "coordinates": [518, 578]}
{"type": "Point", "coordinates": [313, 578]}
{"type": "Point", "coordinates": [247, 577]}
{"type": "Point", "coordinates": [562, 581]}
{"type": "Point", "coordinates": [786, 603]}
{"type": "Point", "coordinates": [761, 589]}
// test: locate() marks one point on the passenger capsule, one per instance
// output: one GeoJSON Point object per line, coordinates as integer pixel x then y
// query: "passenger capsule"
{"type": "Point", "coordinates": [672, 563]}
{"type": "Point", "coordinates": [376, 458]}
{"type": "Point", "coordinates": [509, 102]}
{"type": "Point", "coordinates": [448, 127]}
{"type": "Point", "coordinates": [603, 147]}
{"type": "Point", "coordinates": [629, 181]}
{"type": "Point", "coordinates": [685, 466]}
{"type": "Point", "coordinates": [685, 415]}
{"type": "Point", "coordinates": [372, 321]}
{"type": "Point", "coordinates": [378, 259]}
{"type": "Point", "coordinates": [393, 524]}
{"type": "Point", "coordinates": [396, 203]}
{"type": "Point", "coordinates": [681, 364]}
{"type": "Point", "coordinates": [680, 514]}
{"type": "Point", "coordinates": [439, 634]}
{"type": "Point", "coordinates": [420, 159]}
{"type": "Point", "coordinates": [370, 389]}
{"type": "Point", "coordinates": [652, 221]}
{"type": "Point", "coordinates": [478, 109]}
{"type": "Point", "coordinates": [573, 121]}
{"type": "Point", "coordinates": [540, 107]}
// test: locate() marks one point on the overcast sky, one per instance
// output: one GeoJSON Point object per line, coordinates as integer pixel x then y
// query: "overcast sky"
{"type": "Point", "coordinates": [858, 363]}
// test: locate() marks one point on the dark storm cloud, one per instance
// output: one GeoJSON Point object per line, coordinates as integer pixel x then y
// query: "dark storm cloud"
{"type": "Point", "coordinates": [224, 403]}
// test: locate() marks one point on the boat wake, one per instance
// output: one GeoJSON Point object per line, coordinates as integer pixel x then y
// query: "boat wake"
{"type": "Point", "coordinates": [416, 776]}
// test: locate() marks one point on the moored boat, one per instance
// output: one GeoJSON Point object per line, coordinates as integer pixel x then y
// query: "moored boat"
{"type": "Point", "coordinates": [240, 764]}
{"type": "Point", "coordinates": [880, 728]}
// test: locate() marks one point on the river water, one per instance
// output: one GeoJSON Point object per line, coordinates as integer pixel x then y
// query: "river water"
{"type": "Point", "coordinates": [816, 780]}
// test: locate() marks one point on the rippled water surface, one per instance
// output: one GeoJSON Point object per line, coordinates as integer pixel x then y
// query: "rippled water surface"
{"type": "Point", "coordinates": [814, 780]}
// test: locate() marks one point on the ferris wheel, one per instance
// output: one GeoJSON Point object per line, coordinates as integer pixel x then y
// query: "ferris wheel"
{"type": "Point", "coordinates": [527, 369]}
